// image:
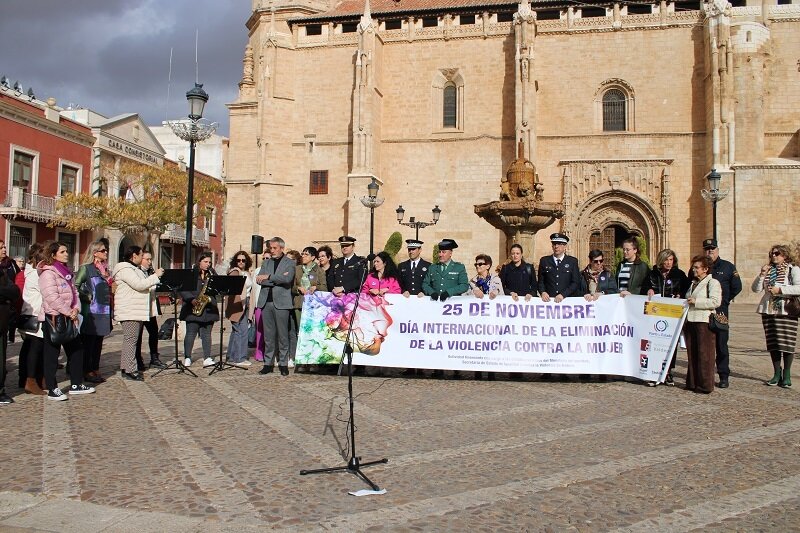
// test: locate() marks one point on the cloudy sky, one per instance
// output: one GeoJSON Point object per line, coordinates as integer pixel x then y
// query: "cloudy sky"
{"type": "Point", "coordinates": [112, 56]}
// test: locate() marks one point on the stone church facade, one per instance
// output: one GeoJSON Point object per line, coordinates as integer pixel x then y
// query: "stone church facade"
{"type": "Point", "coordinates": [623, 108]}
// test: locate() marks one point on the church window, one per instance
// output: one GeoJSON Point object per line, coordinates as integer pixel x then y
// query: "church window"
{"type": "Point", "coordinates": [505, 16]}
{"type": "Point", "coordinates": [639, 9]}
{"type": "Point", "coordinates": [588, 12]}
{"type": "Point", "coordinates": [449, 106]}
{"type": "Point", "coordinates": [463, 20]}
{"type": "Point", "coordinates": [784, 2]}
{"type": "Point", "coordinates": [447, 101]}
{"type": "Point", "coordinates": [318, 182]}
{"type": "Point", "coordinates": [548, 14]}
{"type": "Point", "coordinates": [614, 110]}
{"type": "Point", "coordinates": [430, 22]}
{"type": "Point", "coordinates": [349, 27]}
{"type": "Point", "coordinates": [737, 3]}
{"type": "Point", "coordinates": [314, 29]}
{"type": "Point", "coordinates": [394, 24]}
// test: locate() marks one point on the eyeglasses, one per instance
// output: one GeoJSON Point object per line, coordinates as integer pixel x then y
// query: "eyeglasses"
{"type": "Point", "coordinates": [479, 265]}
{"type": "Point", "coordinates": [597, 260]}
{"type": "Point", "coordinates": [103, 251]}
{"type": "Point", "coordinates": [241, 260]}
{"type": "Point", "coordinates": [775, 254]}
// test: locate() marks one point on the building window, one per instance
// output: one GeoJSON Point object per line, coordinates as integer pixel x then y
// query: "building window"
{"type": "Point", "coordinates": [314, 29]}
{"type": "Point", "coordinates": [430, 22]}
{"type": "Point", "coordinates": [505, 16]}
{"type": "Point", "coordinates": [614, 110]}
{"type": "Point", "coordinates": [69, 180]}
{"type": "Point", "coordinates": [448, 100]}
{"type": "Point", "coordinates": [23, 171]}
{"type": "Point", "coordinates": [211, 220]}
{"type": "Point", "coordinates": [464, 20]}
{"type": "Point", "coordinates": [449, 106]}
{"type": "Point", "coordinates": [588, 12]}
{"type": "Point", "coordinates": [20, 239]}
{"type": "Point", "coordinates": [318, 182]}
{"type": "Point", "coordinates": [640, 9]}
{"type": "Point", "coordinates": [349, 27]}
{"type": "Point", "coordinates": [394, 24]}
{"type": "Point", "coordinates": [548, 14]}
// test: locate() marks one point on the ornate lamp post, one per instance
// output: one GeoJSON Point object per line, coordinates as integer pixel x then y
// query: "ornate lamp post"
{"type": "Point", "coordinates": [417, 224]}
{"type": "Point", "coordinates": [714, 194]}
{"type": "Point", "coordinates": [193, 130]}
{"type": "Point", "coordinates": [372, 201]}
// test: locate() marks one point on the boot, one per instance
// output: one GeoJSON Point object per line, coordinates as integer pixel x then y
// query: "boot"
{"type": "Point", "coordinates": [786, 382]}
{"type": "Point", "coordinates": [31, 387]}
{"type": "Point", "coordinates": [776, 378]}
{"type": "Point", "coordinates": [155, 362]}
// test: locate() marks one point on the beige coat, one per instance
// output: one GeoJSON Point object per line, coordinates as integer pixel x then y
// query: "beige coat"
{"type": "Point", "coordinates": [765, 306]}
{"type": "Point", "coordinates": [707, 296]}
{"type": "Point", "coordinates": [234, 305]}
{"type": "Point", "coordinates": [132, 300]}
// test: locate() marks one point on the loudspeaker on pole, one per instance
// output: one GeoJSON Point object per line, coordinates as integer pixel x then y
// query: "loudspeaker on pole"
{"type": "Point", "coordinates": [256, 244]}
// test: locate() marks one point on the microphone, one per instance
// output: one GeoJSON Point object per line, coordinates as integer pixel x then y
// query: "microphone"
{"type": "Point", "coordinates": [368, 259]}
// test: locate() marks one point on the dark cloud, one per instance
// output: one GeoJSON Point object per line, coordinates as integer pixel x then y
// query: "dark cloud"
{"type": "Point", "coordinates": [113, 56]}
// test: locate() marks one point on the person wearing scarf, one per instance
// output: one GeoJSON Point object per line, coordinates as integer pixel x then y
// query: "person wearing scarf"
{"type": "Point", "coordinates": [486, 284]}
{"type": "Point", "coordinates": [60, 297]}
{"type": "Point", "coordinates": [93, 281]}
{"type": "Point", "coordinates": [778, 278]}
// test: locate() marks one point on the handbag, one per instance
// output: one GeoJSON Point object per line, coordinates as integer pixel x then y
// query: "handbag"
{"type": "Point", "coordinates": [717, 322]}
{"type": "Point", "coordinates": [791, 304]}
{"type": "Point", "coordinates": [29, 323]}
{"type": "Point", "coordinates": [60, 329]}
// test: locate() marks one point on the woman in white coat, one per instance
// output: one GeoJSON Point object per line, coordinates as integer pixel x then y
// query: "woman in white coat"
{"type": "Point", "coordinates": [703, 297]}
{"type": "Point", "coordinates": [778, 279]}
{"type": "Point", "coordinates": [133, 306]}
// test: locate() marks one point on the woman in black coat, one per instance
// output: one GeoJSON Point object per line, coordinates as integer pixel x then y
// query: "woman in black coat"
{"type": "Point", "coordinates": [669, 281]}
{"type": "Point", "coordinates": [199, 324]}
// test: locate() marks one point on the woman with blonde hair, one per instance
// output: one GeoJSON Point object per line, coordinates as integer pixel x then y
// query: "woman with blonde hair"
{"type": "Point", "coordinates": [93, 281]}
{"type": "Point", "coordinates": [778, 279]}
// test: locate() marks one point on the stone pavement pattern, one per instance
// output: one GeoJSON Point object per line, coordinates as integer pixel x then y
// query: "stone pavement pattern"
{"type": "Point", "coordinates": [223, 453]}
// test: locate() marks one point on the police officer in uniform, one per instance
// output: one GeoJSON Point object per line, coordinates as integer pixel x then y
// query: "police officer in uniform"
{"type": "Point", "coordinates": [348, 270]}
{"type": "Point", "coordinates": [559, 273]}
{"type": "Point", "coordinates": [413, 271]}
{"type": "Point", "coordinates": [724, 272]}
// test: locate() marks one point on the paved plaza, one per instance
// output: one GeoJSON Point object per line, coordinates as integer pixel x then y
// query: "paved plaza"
{"type": "Point", "coordinates": [223, 452]}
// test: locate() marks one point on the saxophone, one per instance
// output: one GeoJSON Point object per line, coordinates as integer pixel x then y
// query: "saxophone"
{"type": "Point", "coordinates": [202, 299]}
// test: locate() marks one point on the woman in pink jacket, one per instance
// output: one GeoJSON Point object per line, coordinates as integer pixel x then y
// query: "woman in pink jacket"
{"type": "Point", "coordinates": [59, 297]}
{"type": "Point", "coordinates": [382, 278]}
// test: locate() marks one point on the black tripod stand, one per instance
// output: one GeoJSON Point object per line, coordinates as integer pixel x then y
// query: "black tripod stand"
{"type": "Point", "coordinates": [223, 286]}
{"type": "Point", "coordinates": [172, 281]}
{"type": "Point", "coordinates": [354, 464]}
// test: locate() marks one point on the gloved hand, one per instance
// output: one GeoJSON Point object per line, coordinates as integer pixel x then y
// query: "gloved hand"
{"type": "Point", "coordinates": [444, 295]}
{"type": "Point", "coordinates": [435, 296]}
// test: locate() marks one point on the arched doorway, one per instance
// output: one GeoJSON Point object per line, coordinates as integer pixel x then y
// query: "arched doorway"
{"type": "Point", "coordinates": [610, 218]}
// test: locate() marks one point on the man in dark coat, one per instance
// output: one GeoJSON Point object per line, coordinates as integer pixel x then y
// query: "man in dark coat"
{"type": "Point", "coordinates": [348, 270]}
{"type": "Point", "coordinates": [9, 296]}
{"type": "Point", "coordinates": [413, 271]}
{"type": "Point", "coordinates": [559, 273]}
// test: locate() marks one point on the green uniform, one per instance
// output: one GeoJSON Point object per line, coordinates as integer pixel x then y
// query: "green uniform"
{"type": "Point", "coordinates": [450, 278]}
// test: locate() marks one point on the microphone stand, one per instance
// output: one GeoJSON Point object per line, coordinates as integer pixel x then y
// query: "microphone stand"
{"type": "Point", "coordinates": [354, 464]}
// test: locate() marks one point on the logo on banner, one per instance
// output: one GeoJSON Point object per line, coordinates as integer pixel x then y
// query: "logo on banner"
{"type": "Point", "coordinates": [661, 326]}
{"type": "Point", "coordinates": [644, 345]}
{"type": "Point", "coordinates": [643, 360]}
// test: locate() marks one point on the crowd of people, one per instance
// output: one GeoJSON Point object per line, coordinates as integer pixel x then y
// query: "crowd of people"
{"type": "Point", "coordinates": [55, 308]}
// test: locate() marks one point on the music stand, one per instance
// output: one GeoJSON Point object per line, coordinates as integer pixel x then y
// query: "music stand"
{"type": "Point", "coordinates": [172, 281]}
{"type": "Point", "coordinates": [224, 286]}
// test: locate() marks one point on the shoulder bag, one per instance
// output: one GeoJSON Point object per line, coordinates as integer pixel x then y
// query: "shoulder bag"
{"type": "Point", "coordinates": [717, 322]}
{"type": "Point", "coordinates": [60, 329]}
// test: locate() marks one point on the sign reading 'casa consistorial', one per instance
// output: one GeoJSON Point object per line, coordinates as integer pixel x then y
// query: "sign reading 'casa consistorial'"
{"type": "Point", "coordinates": [134, 152]}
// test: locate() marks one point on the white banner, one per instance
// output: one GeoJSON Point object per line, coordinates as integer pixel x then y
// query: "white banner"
{"type": "Point", "coordinates": [621, 336]}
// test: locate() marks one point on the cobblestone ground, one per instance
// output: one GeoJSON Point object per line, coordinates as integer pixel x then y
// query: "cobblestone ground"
{"type": "Point", "coordinates": [223, 452]}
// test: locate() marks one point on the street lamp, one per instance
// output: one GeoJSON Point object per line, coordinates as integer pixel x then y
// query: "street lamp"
{"type": "Point", "coordinates": [193, 130]}
{"type": "Point", "coordinates": [714, 194]}
{"type": "Point", "coordinates": [372, 201]}
{"type": "Point", "coordinates": [417, 224]}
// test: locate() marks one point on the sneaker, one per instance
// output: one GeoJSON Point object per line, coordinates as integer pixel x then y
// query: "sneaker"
{"type": "Point", "coordinates": [208, 362]}
{"type": "Point", "coordinates": [187, 362]}
{"type": "Point", "coordinates": [244, 363]}
{"type": "Point", "coordinates": [5, 398]}
{"type": "Point", "coordinates": [56, 395]}
{"type": "Point", "coordinates": [669, 380]}
{"type": "Point", "coordinates": [652, 384]}
{"type": "Point", "coordinates": [81, 389]}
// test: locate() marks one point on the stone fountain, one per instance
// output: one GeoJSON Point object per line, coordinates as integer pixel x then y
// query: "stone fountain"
{"type": "Point", "coordinates": [521, 211]}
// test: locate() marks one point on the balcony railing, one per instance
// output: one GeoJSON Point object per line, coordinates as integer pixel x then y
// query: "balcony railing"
{"type": "Point", "coordinates": [20, 203]}
{"type": "Point", "coordinates": [177, 234]}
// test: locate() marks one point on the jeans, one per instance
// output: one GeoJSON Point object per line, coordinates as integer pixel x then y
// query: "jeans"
{"type": "Point", "coordinates": [237, 343]}
{"type": "Point", "coordinates": [192, 330]}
